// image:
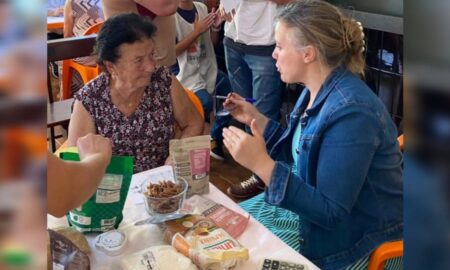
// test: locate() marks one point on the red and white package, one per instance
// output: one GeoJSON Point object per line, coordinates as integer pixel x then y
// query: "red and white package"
{"type": "Point", "coordinates": [232, 222]}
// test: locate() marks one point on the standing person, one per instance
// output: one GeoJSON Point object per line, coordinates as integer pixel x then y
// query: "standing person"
{"type": "Point", "coordinates": [337, 165]}
{"type": "Point", "coordinates": [161, 12]}
{"type": "Point", "coordinates": [249, 42]}
{"type": "Point", "coordinates": [198, 72]}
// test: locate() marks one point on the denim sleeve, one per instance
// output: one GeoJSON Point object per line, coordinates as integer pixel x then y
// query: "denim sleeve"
{"type": "Point", "coordinates": [278, 183]}
{"type": "Point", "coordinates": [344, 158]}
{"type": "Point", "coordinates": [272, 133]}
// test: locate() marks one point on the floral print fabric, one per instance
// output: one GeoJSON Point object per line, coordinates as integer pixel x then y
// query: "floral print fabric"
{"type": "Point", "coordinates": [146, 133]}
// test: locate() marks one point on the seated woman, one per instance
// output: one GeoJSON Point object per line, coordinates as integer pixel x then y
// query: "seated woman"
{"type": "Point", "coordinates": [133, 102]}
{"type": "Point", "coordinates": [337, 165]}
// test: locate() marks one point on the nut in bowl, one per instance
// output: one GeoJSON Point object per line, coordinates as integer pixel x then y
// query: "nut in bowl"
{"type": "Point", "coordinates": [164, 197]}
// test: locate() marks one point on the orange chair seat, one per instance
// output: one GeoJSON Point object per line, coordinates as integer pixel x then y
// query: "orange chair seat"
{"type": "Point", "coordinates": [388, 250]}
{"type": "Point", "coordinates": [196, 101]}
{"type": "Point", "coordinates": [87, 73]}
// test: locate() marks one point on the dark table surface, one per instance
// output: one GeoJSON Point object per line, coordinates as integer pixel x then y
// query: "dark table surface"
{"type": "Point", "coordinates": [59, 112]}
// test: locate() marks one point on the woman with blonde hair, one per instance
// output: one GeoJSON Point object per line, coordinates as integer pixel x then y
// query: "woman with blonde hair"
{"type": "Point", "coordinates": [337, 164]}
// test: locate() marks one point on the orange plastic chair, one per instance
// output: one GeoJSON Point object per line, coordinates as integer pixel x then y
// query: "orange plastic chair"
{"type": "Point", "coordinates": [194, 99]}
{"type": "Point", "coordinates": [87, 73]}
{"type": "Point", "coordinates": [386, 251]}
{"type": "Point", "coordinates": [401, 141]}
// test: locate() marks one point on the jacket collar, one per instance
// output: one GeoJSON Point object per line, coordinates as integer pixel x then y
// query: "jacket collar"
{"type": "Point", "coordinates": [327, 87]}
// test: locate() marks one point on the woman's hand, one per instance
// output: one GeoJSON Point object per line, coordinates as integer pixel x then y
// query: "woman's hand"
{"type": "Point", "coordinates": [203, 24]}
{"type": "Point", "coordinates": [240, 109]}
{"type": "Point", "coordinates": [91, 145]}
{"type": "Point", "coordinates": [249, 151]}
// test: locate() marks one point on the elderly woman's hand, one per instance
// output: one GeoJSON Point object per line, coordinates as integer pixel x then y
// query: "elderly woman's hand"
{"type": "Point", "coordinates": [249, 150]}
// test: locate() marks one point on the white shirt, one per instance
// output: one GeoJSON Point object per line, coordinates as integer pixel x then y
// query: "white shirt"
{"type": "Point", "coordinates": [198, 66]}
{"type": "Point", "coordinates": [253, 23]}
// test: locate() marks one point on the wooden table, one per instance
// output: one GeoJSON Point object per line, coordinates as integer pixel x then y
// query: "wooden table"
{"type": "Point", "coordinates": [55, 23]}
{"type": "Point", "coordinates": [58, 114]}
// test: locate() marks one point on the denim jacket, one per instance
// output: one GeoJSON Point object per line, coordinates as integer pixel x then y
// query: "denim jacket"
{"type": "Point", "coordinates": [349, 186]}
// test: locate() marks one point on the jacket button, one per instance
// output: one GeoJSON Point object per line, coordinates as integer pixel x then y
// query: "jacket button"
{"type": "Point", "coordinates": [301, 241]}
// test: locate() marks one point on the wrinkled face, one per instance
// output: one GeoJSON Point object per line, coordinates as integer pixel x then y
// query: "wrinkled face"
{"type": "Point", "coordinates": [135, 65]}
{"type": "Point", "coordinates": [290, 59]}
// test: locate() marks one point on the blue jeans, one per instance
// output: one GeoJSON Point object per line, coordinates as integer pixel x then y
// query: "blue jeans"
{"type": "Point", "coordinates": [223, 87]}
{"type": "Point", "coordinates": [256, 77]}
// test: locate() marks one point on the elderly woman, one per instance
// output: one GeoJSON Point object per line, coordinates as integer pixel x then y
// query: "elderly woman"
{"type": "Point", "coordinates": [133, 102]}
{"type": "Point", "coordinates": [337, 165]}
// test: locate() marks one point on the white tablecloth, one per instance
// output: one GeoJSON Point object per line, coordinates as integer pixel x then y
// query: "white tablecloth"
{"type": "Point", "coordinates": [260, 242]}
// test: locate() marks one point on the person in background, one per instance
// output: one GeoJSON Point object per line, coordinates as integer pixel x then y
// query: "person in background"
{"type": "Point", "coordinates": [84, 177]}
{"type": "Point", "coordinates": [134, 102]}
{"type": "Point", "coordinates": [196, 31]}
{"type": "Point", "coordinates": [161, 13]}
{"type": "Point", "coordinates": [249, 42]}
{"type": "Point", "coordinates": [55, 8]}
{"type": "Point", "coordinates": [337, 164]}
{"type": "Point", "coordinates": [79, 16]}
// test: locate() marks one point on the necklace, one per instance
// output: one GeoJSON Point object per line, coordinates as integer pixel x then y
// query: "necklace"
{"type": "Point", "coordinates": [124, 101]}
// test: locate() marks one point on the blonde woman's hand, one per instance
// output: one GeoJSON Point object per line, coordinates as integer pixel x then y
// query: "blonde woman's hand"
{"type": "Point", "coordinates": [248, 150]}
{"type": "Point", "coordinates": [240, 109]}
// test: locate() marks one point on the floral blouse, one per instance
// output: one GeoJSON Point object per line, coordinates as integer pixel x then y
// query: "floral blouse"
{"type": "Point", "coordinates": [146, 133]}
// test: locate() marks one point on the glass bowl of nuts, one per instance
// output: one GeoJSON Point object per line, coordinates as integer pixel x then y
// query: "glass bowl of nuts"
{"type": "Point", "coordinates": [164, 197]}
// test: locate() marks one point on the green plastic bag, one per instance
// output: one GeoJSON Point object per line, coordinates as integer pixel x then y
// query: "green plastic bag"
{"type": "Point", "coordinates": [103, 211]}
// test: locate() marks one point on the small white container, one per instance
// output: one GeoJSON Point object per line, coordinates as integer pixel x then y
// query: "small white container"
{"type": "Point", "coordinates": [111, 243]}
